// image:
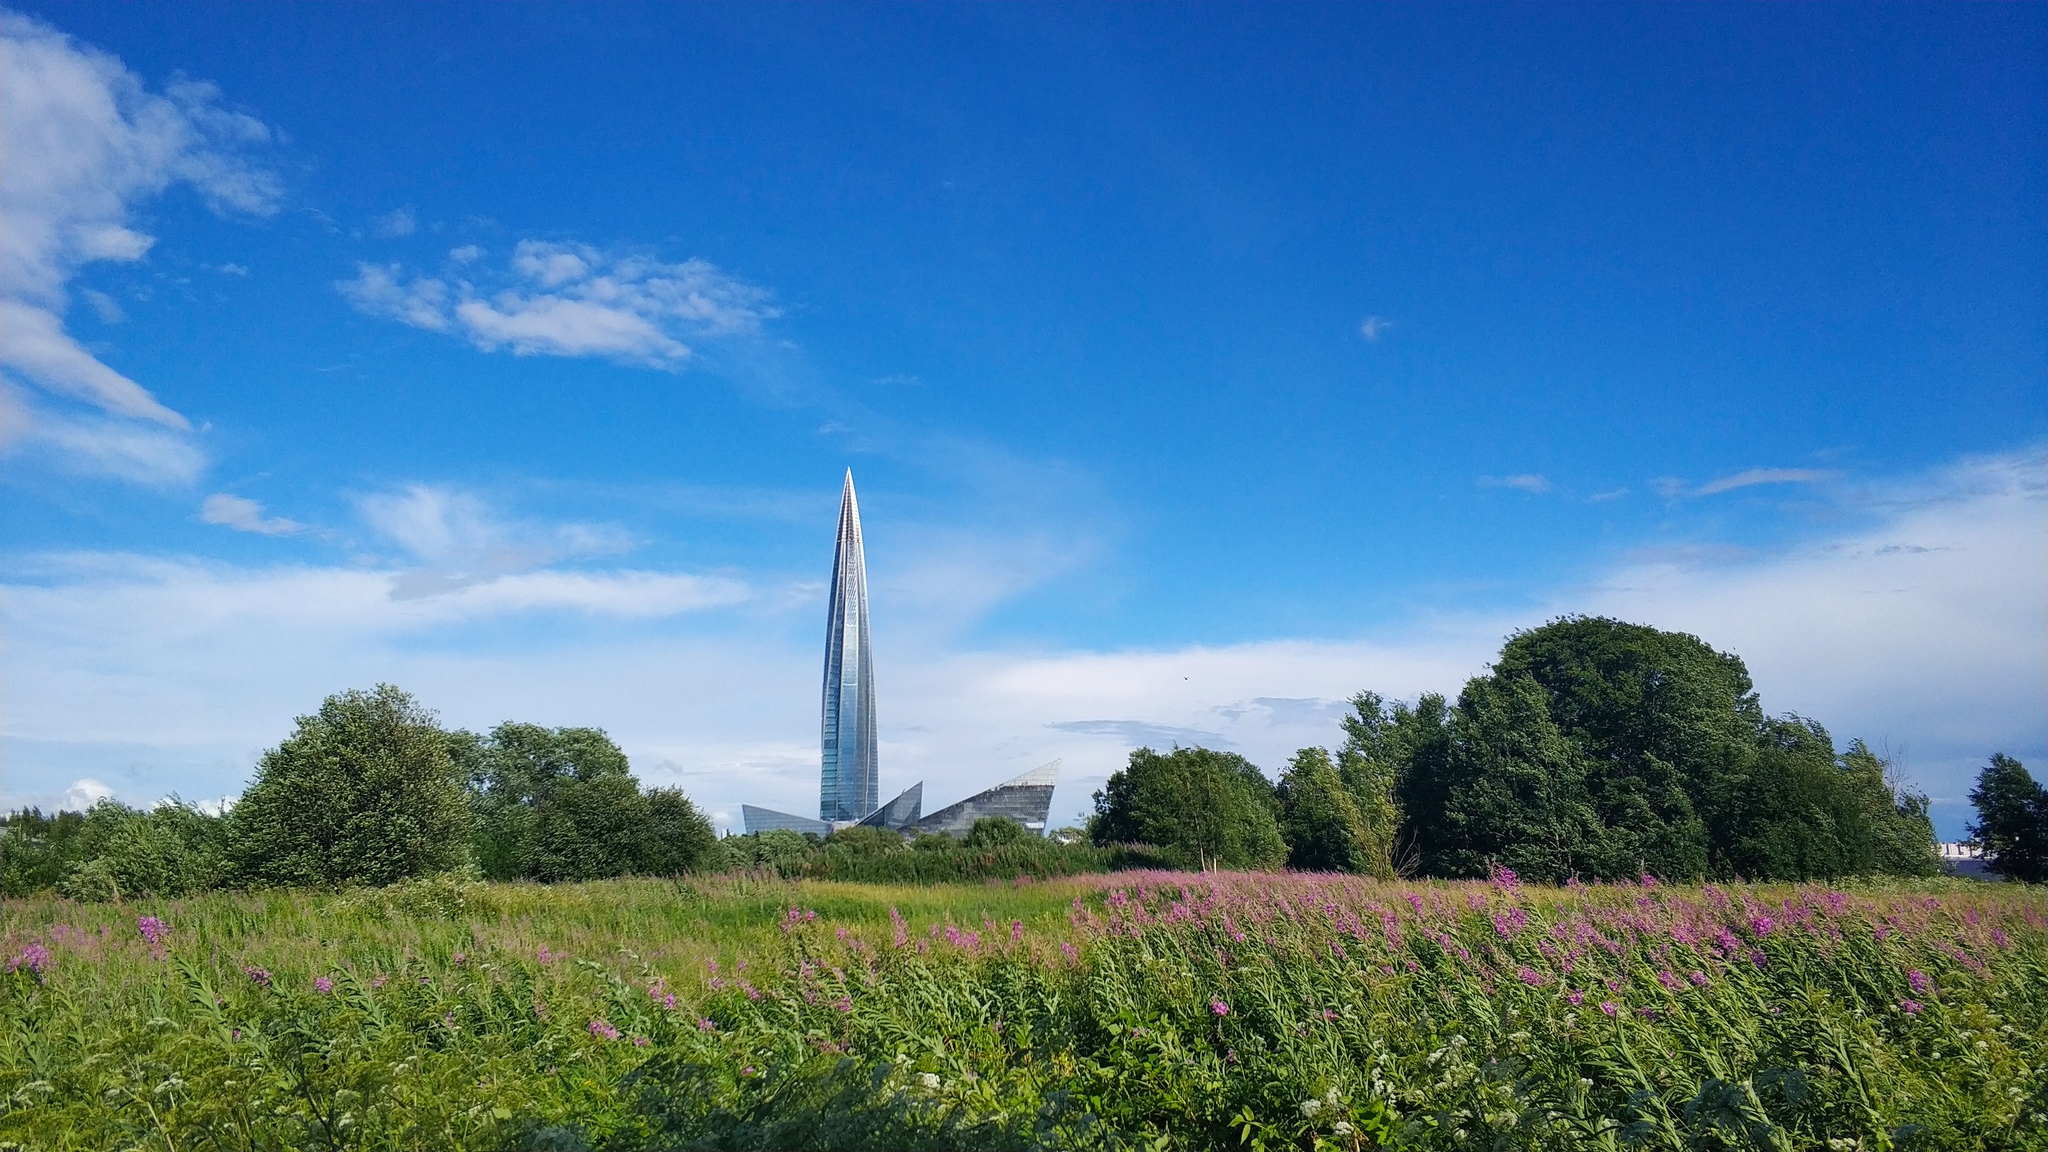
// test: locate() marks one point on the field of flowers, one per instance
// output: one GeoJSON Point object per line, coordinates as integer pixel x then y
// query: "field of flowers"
{"type": "Point", "coordinates": [1137, 1010]}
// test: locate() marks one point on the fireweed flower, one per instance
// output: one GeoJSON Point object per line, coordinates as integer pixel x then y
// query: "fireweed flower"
{"type": "Point", "coordinates": [33, 957]}
{"type": "Point", "coordinates": [707, 1024]}
{"type": "Point", "coordinates": [1219, 1007]}
{"type": "Point", "coordinates": [1918, 980]}
{"type": "Point", "coordinates": [1698, 978]}
{"type": "Point", "coordinates": [1609, 1007]}
{"type": "Point", "coordinates": [260, 975]}
{"type": "Point", "coordinates": [1529, 976]}
{"type": "Point", "coordinates": [1575, 998]}
{"type": "Point", "coordinates": [1909, 1007]}
{"type": "Point", "coordinates": [323, 985]}
{"type": "Point", "coordinates": [152, 929]}
{"type": "Point", "coordinates": [602, 1028]}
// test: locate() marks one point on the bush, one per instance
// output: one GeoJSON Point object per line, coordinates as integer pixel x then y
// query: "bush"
{"type": "Point", "coordinates": [1199, 808]}
{"type": "Point", "coordinates": [995, 832]}
{"type": "Point", "coordinates": [364, 792]}
{"type": "Point", "coordinates": [172, 850]}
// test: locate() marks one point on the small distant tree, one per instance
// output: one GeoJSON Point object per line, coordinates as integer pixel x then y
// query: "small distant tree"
{"type": "Point", "coordinates": [363, 792]}
{"type": "Point", "coordinates": [2012, 820]}
{"type": "Point", "coordinates": [1318, 817]}
{"type": "Point", "coordinates": [37, 851]}
{"type": "Point", "coordinates": [1200, 808]}
{"type": "Point", "coordinates": [995, 832]}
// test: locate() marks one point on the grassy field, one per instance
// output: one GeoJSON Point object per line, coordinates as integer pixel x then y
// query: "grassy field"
{"type": "Point", "coordinates": [1131, 1010]}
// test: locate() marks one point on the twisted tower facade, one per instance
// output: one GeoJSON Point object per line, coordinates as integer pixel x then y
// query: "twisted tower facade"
{"type": "Point", "coordinates": [847, 786]}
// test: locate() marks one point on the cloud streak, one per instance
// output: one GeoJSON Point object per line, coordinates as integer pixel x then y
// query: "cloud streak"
{"type": "Point", "coordinates": [569, 300]}
{"type": "Point", "coordinates": [244, 515]}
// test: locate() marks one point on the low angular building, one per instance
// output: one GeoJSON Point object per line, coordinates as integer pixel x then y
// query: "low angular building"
{"type": "Point", "coordinates": [1027, 799]}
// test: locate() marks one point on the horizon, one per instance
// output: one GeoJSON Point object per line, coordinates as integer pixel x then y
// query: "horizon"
{"type": "Point", "coordinates": [1202, 367]}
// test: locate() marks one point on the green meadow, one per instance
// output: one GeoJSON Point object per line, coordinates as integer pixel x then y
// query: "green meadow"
{"type": "Point", "coordinates": [1153, 1010]}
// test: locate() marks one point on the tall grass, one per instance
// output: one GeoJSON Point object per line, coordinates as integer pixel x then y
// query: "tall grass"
{"type": "Point", "coordinates": [1118, 1011]}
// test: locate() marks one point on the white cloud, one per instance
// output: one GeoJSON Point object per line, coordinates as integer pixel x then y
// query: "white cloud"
{"type": "Point", "coordinates": [244, 515]}
{"type": "Point", "coordinates": [1372, 327]}
{"type": "Point", "coordinates": [398, 222]}
{"type": "Point", "coordinates": [1755, 476]}
{"type": "Point", "coordinates": [1522, 481]}
{"type": "Point", "coordinates": [377, 292]}
{"type": "Point", "coordinates": [86, 142]}
{"type": "Point", "coordinates": [241, 270]}
{"type": "Point", "coordinates": [571, 300]}
{"type": "Point", "coordinates": [104, 306]}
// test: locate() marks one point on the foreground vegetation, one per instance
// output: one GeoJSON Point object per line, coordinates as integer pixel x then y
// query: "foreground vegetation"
{"type": "Point", "coordinates": [1137, 1010]}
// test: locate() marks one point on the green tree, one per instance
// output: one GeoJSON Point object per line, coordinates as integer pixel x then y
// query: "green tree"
{"type": "Point", "coordinates": [171, 850]}
{"type": "Point", "coordinates": [591, 829]}
{"type": "Point", "coordinates": [2012, 820]}
{"type": "Point", "coordinates": [682, 839]}
{"type": "Point", "coordinates": [1319, 819]}
{"type": "Point", "coordinates": [363, 792]}
{"type": "Point", "coordinates": [38, 851]}
{"type": "Point", "coordinates": [1369, 765]}
{"type": "Point", "coordinates": [995, 832]}
{"type": "Point", "coordinates": [1200, 808]}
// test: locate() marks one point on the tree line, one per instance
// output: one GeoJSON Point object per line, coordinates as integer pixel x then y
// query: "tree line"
{"type": "Point", "coordinates": [1593, 749]}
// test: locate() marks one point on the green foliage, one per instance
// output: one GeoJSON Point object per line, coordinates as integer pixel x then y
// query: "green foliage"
{"type": "Point", "coordinates": [1601, 749]}
{"type": "Point", "coordinates": [781, 851]}
{"type": "Point", "coordinates": [995, 832]}
{"type": "Point", "coordinates": [557, 804]}
{"type": "Point", "coordinates": [364, 792]}
{"type": "Point", "coordinates": [1199, 808]}
{"type": "Point", "coordinates": [1319, 819]}
{"type": "Point", "coordinates": [171, 850]}
{"type": "Point", "coordinates": [2012, 820]}
{"type": "Point", "coordinates": [36, 851]}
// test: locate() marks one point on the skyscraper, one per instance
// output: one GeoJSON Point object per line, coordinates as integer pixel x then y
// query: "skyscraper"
{"type": "Point", "coordinates": [847, 786]}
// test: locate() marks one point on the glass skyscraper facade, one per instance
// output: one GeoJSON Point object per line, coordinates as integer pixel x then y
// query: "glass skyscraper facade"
{"type": "Point", "coordinates": [847, 788]}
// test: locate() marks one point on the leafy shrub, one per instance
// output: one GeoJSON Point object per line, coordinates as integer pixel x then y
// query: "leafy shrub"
{"type": "Point", "coordinates": [364, 792]}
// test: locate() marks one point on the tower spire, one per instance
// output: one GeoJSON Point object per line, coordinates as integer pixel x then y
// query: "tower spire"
{"type": "Point", "coordinates": [847, 783]}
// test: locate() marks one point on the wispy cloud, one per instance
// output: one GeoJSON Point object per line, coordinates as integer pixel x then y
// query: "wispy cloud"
{"type": "Point", "coordinates": [570, 300]}
{"type": "Point", "coordinates": [458, 541]}
{"type": "Point", "coordinates": [397, 222]}
{"type": "Point", "coordinates": [87, 142]}
{"type": "Point", "coordinates": [1373, 327]}
{"type": "Point", "coordinates": [1521, 481]}
{"type": "Point", "coordinates": [244, 515]}
{"type": "Point", "coordinates": [1749, 478]}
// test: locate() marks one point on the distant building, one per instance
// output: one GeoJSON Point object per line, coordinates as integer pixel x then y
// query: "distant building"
{"type": "Point", "coordinates": [1027, 799]}
{"type": "Point", "coordinates": [846, 788]}
{"type": "Point", "coordinates": [847, 781]}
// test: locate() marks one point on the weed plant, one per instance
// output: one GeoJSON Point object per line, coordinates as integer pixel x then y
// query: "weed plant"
{"type": "Point", "coordinates": [1135, 1010]}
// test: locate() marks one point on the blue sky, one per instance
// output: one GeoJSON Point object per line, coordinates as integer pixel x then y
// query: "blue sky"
{"type": "Point", "coordinates": [1197, 366]}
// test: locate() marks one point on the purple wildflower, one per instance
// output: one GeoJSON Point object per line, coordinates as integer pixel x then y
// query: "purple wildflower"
{"type": "Point", "coordinates": [1698, 978]}
{"type": "Point", "coordinates": [1530, 976]}
{"type": "Point", "coordinates": [1219, 1007]}
{"type": "Point", "coordinates": [707, 1024]}
{"type": "Point", "coordinates": [1669, 981]}
{"type": "Point", "coordinates": [1909, 1007]}
{"type": "Point", "coordinates": [34, 957]}
{"type": "Point", "coordinates": [1575, 998]}
{"type": "Point", "coordinates": [1762, 924]}
{"type": "Point", "coordinates": [153, 930]}
{"type": "Point", "coordinates": [1609, 1007]}
{"type": "Point", "coordinates": [845, 1004]}
{"type": "Point", "coordinates": [602, 1028]}
{"type": "Point", "coordinates": [324, 985]}
{"type": "Point", "coordinates": [1921, 985]}
{"type": "Point", "coordinates": [260, 975]}
{"type": "Point", "coordinates": [640, 1041]}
